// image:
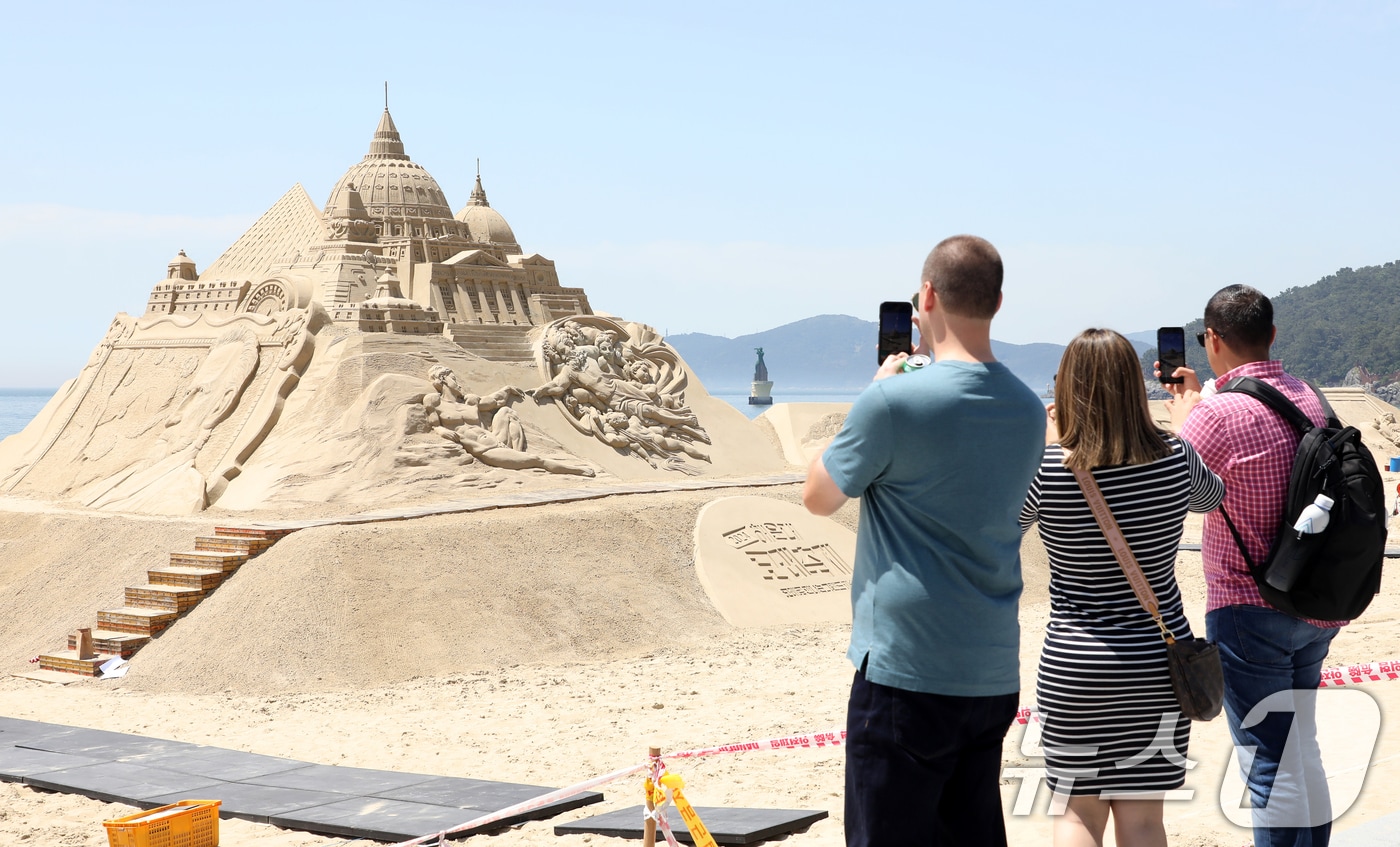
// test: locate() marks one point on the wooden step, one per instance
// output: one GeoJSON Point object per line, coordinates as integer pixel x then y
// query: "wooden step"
{"type": "Point", "coordinates": [166, 597]}
{"type": "Point", "coordinates": [68, 662]}
{"type": "Point", "coordinates": [184, 576]}
{"type": "Point", "coordinates": [142, 621]}
{"type": "Point", "coordinates": [226, 562]}
{"type": "Point", "coordinates": [265, 533]}
{"type": "Point", "coordinates": [111, 643]}
{"type": "Point", "coordinates": [249, 547]}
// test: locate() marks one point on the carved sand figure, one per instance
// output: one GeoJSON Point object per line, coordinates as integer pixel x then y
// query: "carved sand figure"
{"type": "Point", "coordinates": [588, 384]}
{"type": "Point", "coordinates": [653, 438]}
{"type": "Point", "coordinates": [458, 417]}
{"type": "Point", "coordinates": [458, 407]}
{"type": "Point", "coordinates": [1388, 428]}
{"type": "Point", "coordinates": [621, 385]}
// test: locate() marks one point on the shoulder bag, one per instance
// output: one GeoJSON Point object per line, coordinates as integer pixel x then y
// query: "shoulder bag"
{"type": "Point", "coordinates": [1194, 664]}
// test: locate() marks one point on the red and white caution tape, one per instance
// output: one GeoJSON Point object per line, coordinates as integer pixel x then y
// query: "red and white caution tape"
{"type": "Point", "coordinates": [802, 741]}
{"type": "Point", "coordinates": [1357, 674]}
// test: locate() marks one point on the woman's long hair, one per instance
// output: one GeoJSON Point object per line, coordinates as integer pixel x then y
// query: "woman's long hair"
{"type": "Point", "coordinates": [1101, 404]}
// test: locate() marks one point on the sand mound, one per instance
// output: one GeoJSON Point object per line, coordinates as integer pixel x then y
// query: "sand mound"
{"type": "Point", "coordinates": [57, 569]}
{"type": "Point", "coordinates": [354, 606]}
{"type": "Point", "coordinates": [341, 607]}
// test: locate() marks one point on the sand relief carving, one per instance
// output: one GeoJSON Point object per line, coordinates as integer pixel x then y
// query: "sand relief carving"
{"type": "Point", "coordinates": [485, 426]}
{"type": "Point", "coordinates": [1388, 428]}
{"type": "Point", "coordinates": [623, 386]}
{"type": "Point", "coordinates": [72, 395]}
{"type": "Point", "coordinates": [167, 474]}
{"type": "Point", "coordinates": [783, 556]}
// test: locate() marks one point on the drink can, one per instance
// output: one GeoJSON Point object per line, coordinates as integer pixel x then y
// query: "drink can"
{"type": "Point", "coordinates": [914, 362]}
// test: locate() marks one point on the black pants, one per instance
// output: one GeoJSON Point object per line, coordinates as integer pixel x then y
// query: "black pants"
{"type": "Point", "coordinates": [924, 768]}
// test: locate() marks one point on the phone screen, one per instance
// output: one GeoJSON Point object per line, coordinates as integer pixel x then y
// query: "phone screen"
{"type": "Point", "coordinates": [1171, 352]}
{"type": "Point", "coordinates": [896, 329]}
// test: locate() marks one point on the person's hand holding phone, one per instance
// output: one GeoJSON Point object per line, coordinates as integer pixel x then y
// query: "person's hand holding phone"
{"type": "Point", "coordinates": [1171, 353]}
{"type": "Point", "coordinates": [892, 366]}
{"type": "Point", "coordinates": [1185, 379]}
{"type": "Point", "coordinates": [896, 337]}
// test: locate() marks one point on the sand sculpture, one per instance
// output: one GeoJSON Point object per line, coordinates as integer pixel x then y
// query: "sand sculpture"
{"type": "Point", "coordinates": [1388, 430]}
{"type": "Point", "coordinates": [381, 347]}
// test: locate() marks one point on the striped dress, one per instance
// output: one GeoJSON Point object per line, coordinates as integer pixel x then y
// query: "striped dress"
{"type": "Point", "coordinates": [1111, 724]}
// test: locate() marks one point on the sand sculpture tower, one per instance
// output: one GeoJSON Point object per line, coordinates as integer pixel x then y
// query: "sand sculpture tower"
{"type": "Point", "coordinates": [465, 275]}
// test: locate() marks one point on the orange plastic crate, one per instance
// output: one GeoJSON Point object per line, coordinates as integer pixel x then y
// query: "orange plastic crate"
{"type": "Point", "coordinates": [188, 823]}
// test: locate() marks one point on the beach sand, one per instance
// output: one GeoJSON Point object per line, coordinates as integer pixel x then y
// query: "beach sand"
{"type": "Point", "coordinates": [543, 645]}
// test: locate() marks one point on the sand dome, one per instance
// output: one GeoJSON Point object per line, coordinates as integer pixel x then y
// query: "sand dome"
{"type": "Point", "coordinates": [391, 186]}
{"type": "Point", "coordinates": [484, 224]}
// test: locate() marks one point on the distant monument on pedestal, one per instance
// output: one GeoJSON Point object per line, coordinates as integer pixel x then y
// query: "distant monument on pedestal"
{"type": "Point", "coordinates": [761, 394]}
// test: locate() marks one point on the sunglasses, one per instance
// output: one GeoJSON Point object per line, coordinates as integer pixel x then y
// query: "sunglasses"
{"type": "Point", "coordinates": [1201, 336]}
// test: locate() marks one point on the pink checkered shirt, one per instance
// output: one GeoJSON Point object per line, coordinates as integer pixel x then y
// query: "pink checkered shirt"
{"type": "Point", "coordinates": [1252, 450]}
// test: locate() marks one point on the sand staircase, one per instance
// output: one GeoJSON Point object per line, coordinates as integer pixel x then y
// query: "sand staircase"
{"type": "Point", "coordinates": [171, 591]}
{"type": "Point", "coordinates": [495, 342]}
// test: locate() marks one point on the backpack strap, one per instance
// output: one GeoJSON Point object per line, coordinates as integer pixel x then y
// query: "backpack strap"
{"type": "Point", "coordinates": [1282, 406]}
{"type": "Point", "coordinates": [1239, 542]}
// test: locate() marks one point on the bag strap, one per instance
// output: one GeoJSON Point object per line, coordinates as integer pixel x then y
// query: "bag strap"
{"type": "Point", "coordinates": [1239, 542]}
{"type": "Point", "coordinates": [1124, 554]}
{"type": "Point", "coordinates": [1285, 408]}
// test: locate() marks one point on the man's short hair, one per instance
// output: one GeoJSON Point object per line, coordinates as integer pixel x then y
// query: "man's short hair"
{"type": "Point", "coordinates": [966, 275]}
{"type": "Point", "coordinates": [1242, 316]}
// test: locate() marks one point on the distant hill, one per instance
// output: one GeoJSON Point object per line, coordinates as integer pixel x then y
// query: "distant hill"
{"type": "Point", "coordinates": [1346, 320]}
{"type": "Point", "coordinates": [826, 353]}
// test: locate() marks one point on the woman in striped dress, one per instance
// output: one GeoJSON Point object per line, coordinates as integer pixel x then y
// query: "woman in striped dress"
{"type": "Point", "coordinates": [1114, 737]}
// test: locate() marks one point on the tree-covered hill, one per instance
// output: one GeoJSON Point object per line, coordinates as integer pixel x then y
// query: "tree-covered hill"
{"type": "Point", "coordinates": [1347, 319]}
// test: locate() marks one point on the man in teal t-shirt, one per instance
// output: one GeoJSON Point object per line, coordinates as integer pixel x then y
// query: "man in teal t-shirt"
{"type": "Point", "coordinates": [941, 459]}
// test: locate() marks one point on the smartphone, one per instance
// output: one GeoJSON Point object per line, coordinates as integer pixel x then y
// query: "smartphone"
{"type": "Point", "coordinates": [1171, 352]}
{"type": "Point", "coordinates": [896, 329]}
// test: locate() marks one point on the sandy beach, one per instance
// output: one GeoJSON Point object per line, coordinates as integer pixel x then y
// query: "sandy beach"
{"type": "Point", "coordinates": [542, 645]}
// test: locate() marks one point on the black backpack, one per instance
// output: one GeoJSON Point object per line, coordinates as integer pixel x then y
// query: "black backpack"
{"type": "Point", "coordinates": [1331, 575]}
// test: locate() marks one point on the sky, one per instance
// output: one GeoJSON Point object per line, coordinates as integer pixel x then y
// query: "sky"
{"type": "Point", "coordinates": [717, 167]}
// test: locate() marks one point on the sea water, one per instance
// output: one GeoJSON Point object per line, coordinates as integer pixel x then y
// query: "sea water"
{"type": "Point", "coordinates": [18, 406]}
{"type": "Point", "coordinates": [741, 401]}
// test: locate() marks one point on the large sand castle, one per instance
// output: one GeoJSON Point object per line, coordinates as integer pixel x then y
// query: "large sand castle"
{"type": "Point", "coordinates": [378, 350]}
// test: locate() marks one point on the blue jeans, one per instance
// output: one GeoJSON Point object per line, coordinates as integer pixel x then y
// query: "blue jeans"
{"type": "Point", "coordinates": [923, 769]}
{"type": "Point", "coordinates": [1268, 655]}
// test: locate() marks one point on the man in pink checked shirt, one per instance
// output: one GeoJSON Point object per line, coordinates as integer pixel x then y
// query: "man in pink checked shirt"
{"type": "Point", "coordinates": [1267, 655]}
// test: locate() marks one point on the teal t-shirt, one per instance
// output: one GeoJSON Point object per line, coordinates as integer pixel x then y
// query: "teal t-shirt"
{"type": "Point", "coordinates": [941, 460]}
